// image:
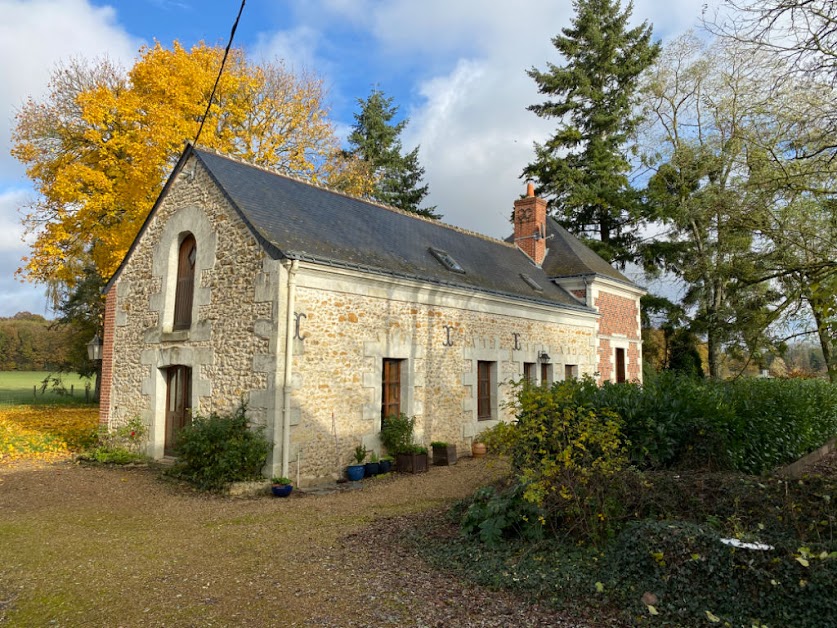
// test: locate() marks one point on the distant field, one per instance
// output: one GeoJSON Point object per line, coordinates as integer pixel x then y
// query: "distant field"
{"type": "Point", "coordinates": [16, 387]}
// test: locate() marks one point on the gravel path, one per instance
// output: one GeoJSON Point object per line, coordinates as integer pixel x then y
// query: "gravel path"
{"type": "Point", "coordinates": [100, 546]}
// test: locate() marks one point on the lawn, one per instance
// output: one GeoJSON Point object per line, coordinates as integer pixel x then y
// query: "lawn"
{"type": "Point", "coordinates": [25, 387]}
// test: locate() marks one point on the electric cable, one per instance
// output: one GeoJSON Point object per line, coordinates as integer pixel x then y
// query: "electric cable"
{"type": "Point", "coordinates": [220, 72]}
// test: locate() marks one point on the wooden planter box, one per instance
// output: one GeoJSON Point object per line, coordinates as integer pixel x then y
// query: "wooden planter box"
{"type": "Point", "coordinates": [411, 463]}
{"type": "Point", "coordinates": [444, 456]}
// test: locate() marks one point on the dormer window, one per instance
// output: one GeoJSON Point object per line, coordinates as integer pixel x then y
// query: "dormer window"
{"type": "Point", "coordinates": [185, 283]}
{"type": "Point", "coordinates": [446, 260]}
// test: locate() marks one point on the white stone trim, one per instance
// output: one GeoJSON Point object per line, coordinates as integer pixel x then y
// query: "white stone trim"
{"type": "Point", "coordinates": [487, 350]}
{"type": "Point", "coordinates": [619, 343]}
{"type": "Point", "coordinates": [339, 280]}
{"type": "Point", "coordinates": [186, 220]}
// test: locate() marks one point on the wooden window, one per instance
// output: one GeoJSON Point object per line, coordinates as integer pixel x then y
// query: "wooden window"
{"type": "Point", "coordinates": [391, 391]}
{"type": "Point", "coordinates": [570, 371]}
{"type": "Point", "coordinates": [620, 366]}
{"type": "Point", "coordinates": [546, 374]}
{"type": "Point", "coordinates": [529, 372]}
{"type": "Point", "coordinates": [185, 283]}
{"type": "Point", "coordinates": [485, 388]}
{"type": "Point", "coordinates": [178, 404]}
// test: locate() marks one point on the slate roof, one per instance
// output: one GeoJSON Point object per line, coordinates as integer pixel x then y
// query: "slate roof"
{"type": "Point", "coordinates": [297, 220]}
{"type": "Point", "coordinates": [568, 256]}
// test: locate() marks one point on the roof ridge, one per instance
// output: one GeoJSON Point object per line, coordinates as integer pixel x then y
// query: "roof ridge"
{"type": "Point", "coordinates": [321, 186]}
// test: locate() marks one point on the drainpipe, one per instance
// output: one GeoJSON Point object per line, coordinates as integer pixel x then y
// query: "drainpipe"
{"type": "Point", "coordinates": [289, 350]}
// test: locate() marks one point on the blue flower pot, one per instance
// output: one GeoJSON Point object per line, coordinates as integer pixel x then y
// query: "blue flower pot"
{"type": "Point", "coordinates": [385, 466]}
{"type": "Point", "coordinates": [282, 490]}
{"type": "Point", "coordinates": [372, 468]}
{"type": "Point", "coordinates": [355, 472]}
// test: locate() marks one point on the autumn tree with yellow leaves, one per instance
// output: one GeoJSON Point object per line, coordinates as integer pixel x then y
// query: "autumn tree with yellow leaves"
{"type": "Point", "coordinates": [99, 146]}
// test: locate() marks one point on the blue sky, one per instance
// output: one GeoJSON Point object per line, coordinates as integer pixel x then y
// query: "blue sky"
{"type": "Point", "coordinates": [456, 68]}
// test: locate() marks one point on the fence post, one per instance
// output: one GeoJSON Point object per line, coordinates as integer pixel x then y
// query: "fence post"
{"type": "Point", "coordinates": [34, 391]}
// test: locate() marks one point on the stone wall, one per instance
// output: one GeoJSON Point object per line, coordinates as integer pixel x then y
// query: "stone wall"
{"type": "Point", "coordinates": [228, 346]}
{"type": "Point", "coordinates": [352, 322]}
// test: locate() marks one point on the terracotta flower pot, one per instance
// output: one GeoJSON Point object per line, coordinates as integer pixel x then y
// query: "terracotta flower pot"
{"type": "Point", "coordinates": [478, 450]}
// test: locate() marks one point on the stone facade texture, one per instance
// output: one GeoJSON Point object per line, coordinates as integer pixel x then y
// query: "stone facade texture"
{"type": "Point", "coordinates": [345, 323]}
{"type": "Point", "coordinates": [347, 334]}
{"type": "Point", "coordinates": [221, 347]}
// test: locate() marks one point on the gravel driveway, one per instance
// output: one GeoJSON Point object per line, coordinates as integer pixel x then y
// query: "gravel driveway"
{"type": "Point", "coordinates": [94, 546]}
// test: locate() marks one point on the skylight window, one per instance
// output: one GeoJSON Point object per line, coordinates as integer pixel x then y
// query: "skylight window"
{"type": "Point", "coordinates": [531, 282]}
{"type": "Point", "coordinates": [446, 260]}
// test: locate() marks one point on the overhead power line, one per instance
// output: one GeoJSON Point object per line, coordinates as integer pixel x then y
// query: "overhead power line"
{"type": "Point", "coordinates": [220, 71]}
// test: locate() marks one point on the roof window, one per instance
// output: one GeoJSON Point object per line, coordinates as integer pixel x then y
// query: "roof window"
{"type": "Point", "coordinates": [531, 282]}
{"type": "Point", "coordinates": [446, 260]}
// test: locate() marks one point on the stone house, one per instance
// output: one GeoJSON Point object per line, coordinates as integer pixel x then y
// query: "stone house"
{"type": "Point", "coordinates": [325, 313]}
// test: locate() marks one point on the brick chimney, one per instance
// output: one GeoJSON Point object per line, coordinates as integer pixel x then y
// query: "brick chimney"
{"type": "Point", "coordinates": [530, 225]}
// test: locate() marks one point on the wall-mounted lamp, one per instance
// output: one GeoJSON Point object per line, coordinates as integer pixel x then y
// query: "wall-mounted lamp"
{"type": "Point", "coordinates": [94, 349]}
{"type": "Point", "coordinates": [543, 357]}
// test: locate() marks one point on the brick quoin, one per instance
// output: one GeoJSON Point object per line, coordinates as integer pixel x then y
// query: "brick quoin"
{"type": "Point", "coordinates": [107, 358]}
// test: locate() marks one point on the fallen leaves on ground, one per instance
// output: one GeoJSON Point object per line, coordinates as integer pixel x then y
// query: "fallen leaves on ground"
{"type": "Point", "coordinates": [45, 433]}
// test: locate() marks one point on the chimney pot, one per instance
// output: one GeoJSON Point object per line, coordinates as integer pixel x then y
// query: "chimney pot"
{"type": "Point", "coordinates": [530, 188]}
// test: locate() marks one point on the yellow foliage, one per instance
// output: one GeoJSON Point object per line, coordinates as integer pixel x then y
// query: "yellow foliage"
{"type": "Point", "coordinates": [100, 146]}
{"type": "Point", "coordinates": [44, 432]}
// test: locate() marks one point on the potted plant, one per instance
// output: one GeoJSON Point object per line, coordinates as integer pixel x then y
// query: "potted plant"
{"type": "Point", "coordinates": [356, 471]}
{"type": "Point", "coordinates": [412, 459]}
{"type": "Point", "coordinates": [281, 486]}
{"type": "Point", "coordinates": [372, 467]}
{"type": "Point", "coordinates": [444, 454]}
{"type": "Point", "coordinates": [385, 464]}
{"type": "Point", "coordinates": [397, 437]}
{"type": "Point", "coordinates": [478, 448]}
{"type": "Point", "coordinates": [397, 432]}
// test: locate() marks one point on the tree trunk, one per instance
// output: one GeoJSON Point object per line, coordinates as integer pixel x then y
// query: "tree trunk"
{"type": "Point", "coordinates": [817, 309]}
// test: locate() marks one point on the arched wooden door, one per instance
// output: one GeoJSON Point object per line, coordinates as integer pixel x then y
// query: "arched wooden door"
{"type": "Point", "coordinates": [178, 404]}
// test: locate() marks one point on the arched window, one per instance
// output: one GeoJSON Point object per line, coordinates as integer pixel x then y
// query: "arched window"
{"type": "Point", "coordinates": [185, 283]}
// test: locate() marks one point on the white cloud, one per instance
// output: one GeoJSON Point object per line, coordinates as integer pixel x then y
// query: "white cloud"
{"type": "Point", "coordinates": [14, 295]}
{"type": "Point", "coordinates": [11, 230]}
{"type": "Point", "coordinates": [475, 132]}
{"type": "Point", "coordinates": [297, 48]}
{"type": "Point", "coordinates": [34, 36]}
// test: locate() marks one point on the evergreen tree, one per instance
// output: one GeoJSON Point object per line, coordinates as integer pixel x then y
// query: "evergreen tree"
{"type": "Point", "coordinates": [376, 141]}
{"type": "Point", "coordinates": [583, 168]}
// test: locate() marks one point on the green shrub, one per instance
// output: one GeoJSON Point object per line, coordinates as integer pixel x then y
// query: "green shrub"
{"type": "Point", "coordinates": [218, 449]}
{"type": "Point", "coordinates": [397, 433]}
{"type": "Point", "coordinates": [495, 516]}
{"type": "Point", "coordinates": [752, 425]}
{"type": "Point", "coordinates": [123, 445]}
{"type": "Point", "coordinates": [565, 457]}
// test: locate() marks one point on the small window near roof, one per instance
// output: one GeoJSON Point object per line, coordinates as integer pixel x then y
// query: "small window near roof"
{"type": "Point", "coordinates": [446, 260]}
{"type": "Point", "coordinates": [531, 282]}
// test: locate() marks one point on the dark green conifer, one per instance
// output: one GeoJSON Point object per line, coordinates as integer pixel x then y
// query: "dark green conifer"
{"type": "Point", "coordinates": [583, 168]}
{"type": "Point", "coordinates": [376, 140]}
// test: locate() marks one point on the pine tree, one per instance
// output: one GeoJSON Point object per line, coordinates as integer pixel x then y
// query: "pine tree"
{"type": "Point", "coordinates": [376, 141]}
{"type": "Point", "coordinates": [583, 168]}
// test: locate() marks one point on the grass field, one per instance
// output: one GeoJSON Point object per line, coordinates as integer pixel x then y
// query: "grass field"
{"type": "Point", "coordinates": [16, 387]}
